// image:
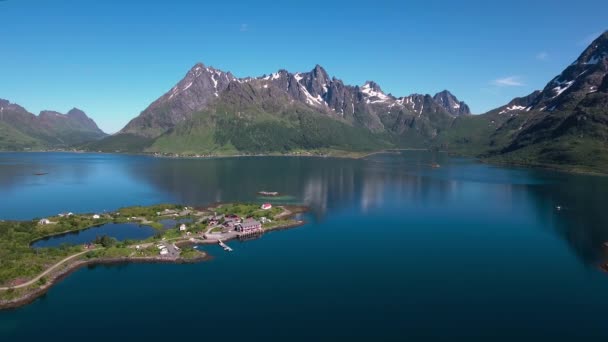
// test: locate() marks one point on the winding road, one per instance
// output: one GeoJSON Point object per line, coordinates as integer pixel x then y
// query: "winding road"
{"type": "Point", "coordinates": [49, 270]}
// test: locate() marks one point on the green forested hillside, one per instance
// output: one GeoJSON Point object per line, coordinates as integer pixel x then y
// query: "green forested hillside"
{"type": "Point", "coordinates": [12, 139]}
{"type": "Point", "coordinates": [225, 133]}
{"type": "Point", "coordinates": [21, 130]}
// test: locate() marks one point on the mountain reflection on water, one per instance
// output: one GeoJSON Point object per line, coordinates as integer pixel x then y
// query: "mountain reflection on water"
{"type": "Point", "coordinates": [384, 184]}
{"type": "Point", "coordinates": [392, 181]}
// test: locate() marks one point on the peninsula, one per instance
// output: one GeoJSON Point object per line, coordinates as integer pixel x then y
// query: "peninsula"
{"type": "Point", "coordinates": [28, 270]}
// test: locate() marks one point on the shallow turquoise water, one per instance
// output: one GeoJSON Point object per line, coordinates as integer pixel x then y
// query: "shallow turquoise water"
{"type": "Point", "coordinates": [392, 250]}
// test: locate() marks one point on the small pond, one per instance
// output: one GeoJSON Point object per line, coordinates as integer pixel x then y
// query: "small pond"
{"type": "Point", "coordinates": [119, 231]}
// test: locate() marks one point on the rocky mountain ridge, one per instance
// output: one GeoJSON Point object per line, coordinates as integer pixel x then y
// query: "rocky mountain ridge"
{"type": "Point", "coordinates": [366, 106]}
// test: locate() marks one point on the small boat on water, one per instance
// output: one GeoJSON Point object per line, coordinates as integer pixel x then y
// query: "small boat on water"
{"type": "Point", "coordinates": [268, 193]}
{"type": "Point", "coordinates": [41, 173]}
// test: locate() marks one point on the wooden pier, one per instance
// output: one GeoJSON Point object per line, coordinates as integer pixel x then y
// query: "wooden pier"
{"type": "Point", "coordinates": [224, 246]}
{"type": "Point", "coordinates": [254, 233]}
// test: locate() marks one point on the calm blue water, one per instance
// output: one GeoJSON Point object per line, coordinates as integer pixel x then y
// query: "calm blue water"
{"type": "Point", "coordinates": [119, 231]}
{"type": "Point", "coordinates": [393, 250]}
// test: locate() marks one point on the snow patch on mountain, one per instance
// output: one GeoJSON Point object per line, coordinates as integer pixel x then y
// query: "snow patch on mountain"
{"type": "Point", "coordinates": [311, 100]}
{"type": "Point", "coordinates": [369, 91]}
{"type": "Point", "coordinates": [562, 87]}
{"type": "Point", "coordinates": [214, 85]}
{"type": "Point", "coordinates": [512, 108]}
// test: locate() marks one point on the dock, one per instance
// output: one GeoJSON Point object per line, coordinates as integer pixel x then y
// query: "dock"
{"type": "Point", "coordinates": [224, 246]}
{"type": "Point", "coordinates": [268, 193]}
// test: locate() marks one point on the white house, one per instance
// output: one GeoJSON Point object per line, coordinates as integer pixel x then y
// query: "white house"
{"type": "Point", "coordinates": [182, 227]}
{"type": "Point", "coordinates": [96, 217]}
{"type": "Point", "coordinates": [164, 251]}
{"type": "Point", "coordinates": [249, 226]}
{"type": "Point", "coordinates": [44, 221]}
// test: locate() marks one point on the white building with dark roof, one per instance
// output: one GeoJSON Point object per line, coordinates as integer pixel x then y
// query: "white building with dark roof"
{"type": "Point", "coordinates": [249, 226]}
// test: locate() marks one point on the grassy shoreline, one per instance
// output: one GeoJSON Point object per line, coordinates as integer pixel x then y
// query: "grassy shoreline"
{"type": "Point", "coordinates": [28, 295]}
{"type": "Point", "coordinates": [566, 169]}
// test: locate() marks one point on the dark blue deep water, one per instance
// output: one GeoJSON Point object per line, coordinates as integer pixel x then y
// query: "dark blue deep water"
{"type": "Point", "coordinates": [393, 250]}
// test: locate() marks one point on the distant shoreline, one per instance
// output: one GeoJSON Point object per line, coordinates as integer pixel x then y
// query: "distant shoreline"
{"type": "Point", "coordinates": [547, 167]}
{"type": "Point", "coordinates": [567, 169]}
{"type": "Point", "coordinates": [344, 155]}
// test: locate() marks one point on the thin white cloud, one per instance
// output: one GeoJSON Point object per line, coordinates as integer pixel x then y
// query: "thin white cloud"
{"type": "Point", "coordinates": [244, 28]}
{"type": "Point", "coordinates": [542, 56]}
{"type": "Point", "coordinates": [510, 81]}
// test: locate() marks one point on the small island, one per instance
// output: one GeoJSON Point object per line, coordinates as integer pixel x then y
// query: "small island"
{"type": "Point", "coordinates": [27, 271]}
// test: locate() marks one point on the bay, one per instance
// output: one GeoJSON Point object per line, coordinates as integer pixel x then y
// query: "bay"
{"type": "Point", "coordinates": [393, 249]}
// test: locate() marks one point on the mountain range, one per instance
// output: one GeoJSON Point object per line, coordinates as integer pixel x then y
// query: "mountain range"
{"type": "Point", "coordinates": [212, 112]}
{"type": "Point", "coordinates": [20, 129]}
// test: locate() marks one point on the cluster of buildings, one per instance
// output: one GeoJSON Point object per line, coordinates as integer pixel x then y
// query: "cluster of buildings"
{"type": "Point", "coordinates": [229, 223]}
{"type": "Point", "coordinates": [234, 223]}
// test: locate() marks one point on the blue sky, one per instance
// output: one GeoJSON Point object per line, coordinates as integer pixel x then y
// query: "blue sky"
{"type": "Point", "coordinates": [112, 58]}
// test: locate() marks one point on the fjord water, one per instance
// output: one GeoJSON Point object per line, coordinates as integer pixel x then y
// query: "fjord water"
{"type": "Point", "coordinates": [393, 249]}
